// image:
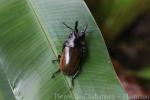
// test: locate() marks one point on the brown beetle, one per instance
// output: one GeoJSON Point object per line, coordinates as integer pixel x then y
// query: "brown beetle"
{"type": "Point", "coordinates": [73, 53]}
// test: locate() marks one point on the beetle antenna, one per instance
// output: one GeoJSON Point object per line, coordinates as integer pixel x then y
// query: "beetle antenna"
{"type": "Point", "coordinates": [67, 26]}
{"type": "Point", "coordinates": [76, 26]}
{"type": "Point", "coordinates": [85, 28]}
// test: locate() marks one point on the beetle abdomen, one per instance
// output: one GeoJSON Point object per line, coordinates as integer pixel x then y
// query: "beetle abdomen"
{"type": "Point", "coordinates": [70, 59]}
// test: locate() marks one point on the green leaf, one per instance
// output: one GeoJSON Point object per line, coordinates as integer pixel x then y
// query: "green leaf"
{"type": "Point", "coordinates": [5, 90]}
{"type": "Point", "coordinates": [31, 36]}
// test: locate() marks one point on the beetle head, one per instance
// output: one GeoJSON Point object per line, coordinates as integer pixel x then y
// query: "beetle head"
{"type": "Point", "coordinates": [79, 35]}
{"type": "Point", "coordinates": [75, 34]}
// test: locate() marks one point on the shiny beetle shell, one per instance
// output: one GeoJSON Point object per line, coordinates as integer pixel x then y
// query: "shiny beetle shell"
{"type": "Point", "coordinates": [70, 60]}
{"type": "Point", "coordinates": [73, 52]}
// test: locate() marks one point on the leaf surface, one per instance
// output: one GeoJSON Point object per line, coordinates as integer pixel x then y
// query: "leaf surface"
{"type": "Point", "coordinates": [32, 35]}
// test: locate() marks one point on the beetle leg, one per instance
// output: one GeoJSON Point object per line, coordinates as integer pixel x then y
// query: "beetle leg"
{"type": "Point", "coordinates": [75, 75]}
{"type": "Point", "coordinates": [53, 76]}
{"type": "Point", "coordinates": [59, 56]}
{"type": "Point", "coordinates": [56, 59]}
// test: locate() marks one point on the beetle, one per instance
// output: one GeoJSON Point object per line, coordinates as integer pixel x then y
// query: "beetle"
{"type": "Point", "coordinates": [73, 53]}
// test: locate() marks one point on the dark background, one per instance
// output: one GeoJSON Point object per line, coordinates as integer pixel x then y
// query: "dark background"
{"type": "Point", "coordinates": [125, 26]}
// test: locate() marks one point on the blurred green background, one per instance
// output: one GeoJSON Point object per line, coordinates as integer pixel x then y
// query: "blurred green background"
{"type": "Point", "coordinates": [125, 25]}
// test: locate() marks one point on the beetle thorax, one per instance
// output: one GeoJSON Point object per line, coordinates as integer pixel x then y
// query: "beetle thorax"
{"type": "Point", "coordinates": [71, 40]}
